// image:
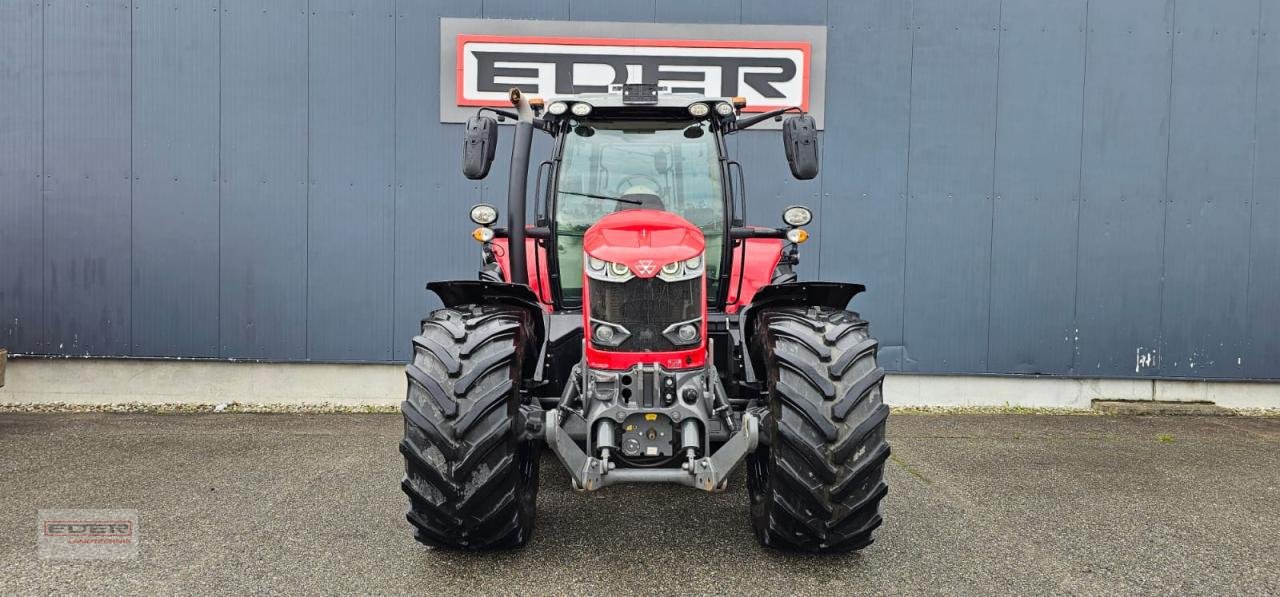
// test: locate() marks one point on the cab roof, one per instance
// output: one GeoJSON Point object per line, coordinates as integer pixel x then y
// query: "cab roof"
{"type": "Point", "coordinates": [614, 100]}
{"type": "Point", "coordinates": [640, 97]}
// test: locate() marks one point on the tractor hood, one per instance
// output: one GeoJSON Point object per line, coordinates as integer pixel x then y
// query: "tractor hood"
{"type": "Point", "coordinates": [643, 239]}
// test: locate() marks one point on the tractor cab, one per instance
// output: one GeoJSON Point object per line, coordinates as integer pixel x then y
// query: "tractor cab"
{"type": "Point", "coordinates": [606, 166]}
{"type": "Point", "coordinates": [636, 147]}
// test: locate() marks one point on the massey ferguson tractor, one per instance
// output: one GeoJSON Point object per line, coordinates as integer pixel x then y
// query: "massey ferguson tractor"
{"type": "Point", "coordinates": [641, 332]}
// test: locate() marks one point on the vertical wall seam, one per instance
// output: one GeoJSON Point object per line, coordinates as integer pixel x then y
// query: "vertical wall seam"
{"type": "Point", "coordinates": [1164, 228]}
{"type": "Point", "coordinates": [395, 167]}
{"type": "Point", "coordinates": [826, 24]}
{"type": "Point", "coordinates": [131, 347]}
{"type": "Point", "coordinates": [218, 347]}
{"type": "Point", "coordinates": [1253, 187]}
{"type": "Point", "coordinates": [306, 333]}
{"type": "Point", "coordinates": [906, 185]}
{"type": "Point", "coordinates": [995, 155]}
{"type": "Point", "coordinates": [822, 184]}
{"type": "Point", "coordinates": [1075, 289]}
{"type": "Point", "coordinates": [44, 186]}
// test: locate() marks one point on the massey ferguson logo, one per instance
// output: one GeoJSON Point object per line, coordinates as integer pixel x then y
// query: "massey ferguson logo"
{"type": "Point", "coordinates": [645, 267]}
{"type": "Point", "coordinates": [769, 74]}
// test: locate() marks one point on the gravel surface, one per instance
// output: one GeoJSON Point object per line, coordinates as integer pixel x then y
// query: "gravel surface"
{"type": "Point", "coordinates": [279, 503]}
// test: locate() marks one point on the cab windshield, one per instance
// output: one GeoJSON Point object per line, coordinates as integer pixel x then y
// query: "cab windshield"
{"type": "Point", "coordinates": [676, 161]}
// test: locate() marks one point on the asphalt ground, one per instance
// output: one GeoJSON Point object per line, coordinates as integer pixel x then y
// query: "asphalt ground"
{"type": "Point", "coordinates": [255, 503]}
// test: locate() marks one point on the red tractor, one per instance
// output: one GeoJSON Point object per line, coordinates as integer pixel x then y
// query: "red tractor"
{"type": "Point", "coordinates": [643, 334]}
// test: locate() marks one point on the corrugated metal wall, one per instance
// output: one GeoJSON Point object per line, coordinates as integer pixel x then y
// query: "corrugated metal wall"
{"type": "Point", "coordinates": [1025, 186]}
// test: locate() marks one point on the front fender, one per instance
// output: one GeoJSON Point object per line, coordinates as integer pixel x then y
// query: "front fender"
{"type": "Point", "coordinates": [465, 292]}
{"type": "Point", "coordinates": [835, 295]}
{"type": "Point", "coordinates": [455, 293]}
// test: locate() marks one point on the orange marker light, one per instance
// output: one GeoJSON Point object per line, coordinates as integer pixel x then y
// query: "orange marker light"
{"type": "Point", "coordinates": [483, 234]}
{"type": "Point", "coordinates": [739, 102]}
{"type": "Point", "coordinates": [797, 235]}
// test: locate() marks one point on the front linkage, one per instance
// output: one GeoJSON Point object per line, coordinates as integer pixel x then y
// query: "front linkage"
{"type": "Point", "coordinates": [648, 430]}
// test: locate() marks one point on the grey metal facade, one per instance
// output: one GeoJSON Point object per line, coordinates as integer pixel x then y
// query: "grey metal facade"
{"type": "Point", "coordinates": [1065, 187]}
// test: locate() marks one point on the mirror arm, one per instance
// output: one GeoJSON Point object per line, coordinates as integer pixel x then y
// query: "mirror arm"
{"type": "Point", "coordinates": [500, 113]}
{"type": "Point", "coordinates": [757, 119]}
{"type": "Point", "coordinates": [538, 232]}
{"type": "Point", "coordinates": [546, 126]}
{"type": "Point", "coordinates": [741, 232]}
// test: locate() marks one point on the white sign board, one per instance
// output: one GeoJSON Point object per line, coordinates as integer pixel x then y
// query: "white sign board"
{"type": "Point", "coordinates": [771, 66]}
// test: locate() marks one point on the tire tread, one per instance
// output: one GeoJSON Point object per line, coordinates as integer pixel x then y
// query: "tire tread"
{"type": "Point", "coordinates": [818, 481]}
{"type": "Point", "coordinates": [466, 469]}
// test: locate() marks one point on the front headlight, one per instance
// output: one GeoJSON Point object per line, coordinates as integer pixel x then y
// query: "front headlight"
{"type": "Point", "coordinates": [608, 334]}
{"type": "Point", "coordinates": [608, 271]}
{"type": "Point", "coordinates": [683, 333]}
{"type": "Point", "coordinates": [687, 333]}
{"type": "Point", "coordinates": [675, 271]}
{"type": "Point", "coordinates": [681, 270]}
{"type": "Point", "coordinates": [604, 334]}
{"type": "Point", "coordinates": [797, 215]}
{"type": "Point", "coordinates": [484, 214]}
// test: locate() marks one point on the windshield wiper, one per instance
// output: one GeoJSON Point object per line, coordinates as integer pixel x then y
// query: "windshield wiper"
{"type": "Point", "coordinates": [618, 199]}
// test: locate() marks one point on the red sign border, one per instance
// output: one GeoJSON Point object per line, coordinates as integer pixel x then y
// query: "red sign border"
{"type": "Point", "coordinates": [806, 49]}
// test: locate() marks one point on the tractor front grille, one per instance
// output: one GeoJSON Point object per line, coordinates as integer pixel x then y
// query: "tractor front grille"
{"type": "Point", "coordinates": [645, 307]}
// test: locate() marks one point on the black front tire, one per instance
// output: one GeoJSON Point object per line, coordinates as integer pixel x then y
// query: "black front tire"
{"type": "Point", "coordinates": [817, 480]}
{"type": "Point", "coordinates": [472, 482]}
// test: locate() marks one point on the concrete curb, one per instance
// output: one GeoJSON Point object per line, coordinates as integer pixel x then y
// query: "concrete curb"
{"type": "Point", "coordinates": [1155, 408]}
{"type": "Point", "coordinates": [116, 381]}
{"type": "Point", "coordinates": [188, 382]}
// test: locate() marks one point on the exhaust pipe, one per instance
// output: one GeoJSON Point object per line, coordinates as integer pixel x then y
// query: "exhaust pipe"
{"type": "Point", "coordinates": [517, 187]}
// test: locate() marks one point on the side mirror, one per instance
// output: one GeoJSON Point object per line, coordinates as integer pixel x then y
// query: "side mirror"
{"type": "Point", "coordinates": [478, 146]}
{"type": "Point", "coordinates": [800, 138]}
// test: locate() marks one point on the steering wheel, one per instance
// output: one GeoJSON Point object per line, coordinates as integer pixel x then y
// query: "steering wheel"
{"type": "Point", "coordinates": [625, 183]}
